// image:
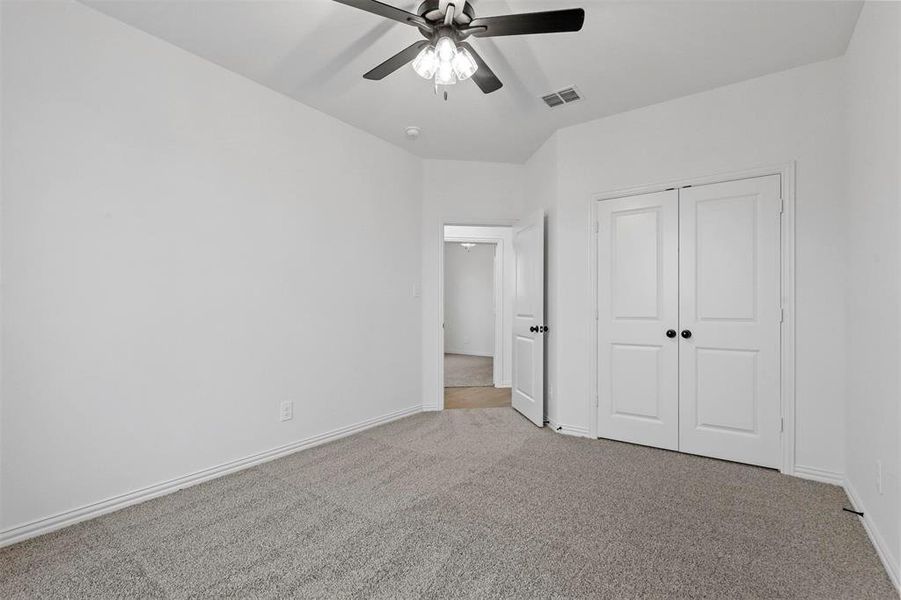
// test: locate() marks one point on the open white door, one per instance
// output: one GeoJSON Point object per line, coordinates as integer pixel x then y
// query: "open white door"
{"type": "Point", "coordinates": [528, 319]}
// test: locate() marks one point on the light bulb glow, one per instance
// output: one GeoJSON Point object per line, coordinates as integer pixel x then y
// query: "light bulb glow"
{"type": "Point", "coordinates": [445, 74]}
{"type": "Point", "coordinates": [445, 62]}
{"type": "Point", "coordinates": [426, 62]}
{"type": "Point", "coordinates": [464, 64]}
{"type": "Point", "coordinates": [445, 49]}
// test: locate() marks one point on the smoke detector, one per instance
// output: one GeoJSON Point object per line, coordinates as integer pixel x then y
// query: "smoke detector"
{"type": "Point", "coordinates": [412, 132]}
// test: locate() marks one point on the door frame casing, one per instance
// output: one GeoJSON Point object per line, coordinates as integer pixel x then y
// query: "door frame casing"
{"type": "Point", "coordinates": [438, 393]}
{"type": "Point", "coordinates": [786, 171]}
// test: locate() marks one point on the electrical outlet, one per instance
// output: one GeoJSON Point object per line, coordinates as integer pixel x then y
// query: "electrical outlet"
{"type": "Point", "coordinates": [879, 476]}
{"type": "Point", "coordinates": [287, 411]}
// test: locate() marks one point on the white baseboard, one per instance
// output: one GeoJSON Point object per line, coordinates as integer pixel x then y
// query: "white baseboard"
{"type": "Point", "coordinates": [573, 430]}
{"type": "Point", "coordinates": [821, 475]}
{"type": "Point", "coordinates": [64, 519]}
{"type": "Point", "coordinates": [882, 549]}
{"type": "Point", "coordinates": [38, 527]}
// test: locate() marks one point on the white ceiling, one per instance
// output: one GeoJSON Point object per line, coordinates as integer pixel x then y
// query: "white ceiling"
{"type": "Point", "coordinates": [628, 55]}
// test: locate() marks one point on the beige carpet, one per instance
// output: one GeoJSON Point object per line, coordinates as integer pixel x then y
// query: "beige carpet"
{"type": "Point", "coordinates": [467, 504]}
{"type": "Point", "coordinates": [463, 370]}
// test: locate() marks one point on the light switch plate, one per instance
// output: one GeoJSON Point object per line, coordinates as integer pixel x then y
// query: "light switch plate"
{"type": "Point", "coordinates": [286, 413]}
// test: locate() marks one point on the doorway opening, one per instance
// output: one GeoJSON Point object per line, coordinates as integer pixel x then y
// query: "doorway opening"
{"type": "Point", "coordinates": [477, 326]}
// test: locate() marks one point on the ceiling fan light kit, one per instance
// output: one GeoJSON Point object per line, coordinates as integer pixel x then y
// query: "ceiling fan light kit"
{"type": "Point", "coordinates": [445, 62]}
{"type": "Point", "coordinates": [446, 57]}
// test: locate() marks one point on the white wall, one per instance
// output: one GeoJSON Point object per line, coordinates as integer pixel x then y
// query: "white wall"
{"type": "Point", "coordinates": [503, 364]}
{"type": "Point", "coordinates": [874, 273]}
{"type": "Point", "coordinates": [469, 313]}
{"type": "Point", "coordinates": [795, 115]}
{"type": "Point", "coordinates": [457, 193]}
{"type": "Point", "coordinates": [182, 250]}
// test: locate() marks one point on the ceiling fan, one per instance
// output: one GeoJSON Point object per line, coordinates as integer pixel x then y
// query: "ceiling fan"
{"type": "Point", "coordinates": [444, 55]}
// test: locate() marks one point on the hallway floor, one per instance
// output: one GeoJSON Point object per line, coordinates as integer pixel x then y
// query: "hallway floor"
{"type": "Point", "coordinates": [476, 397]}
{"type": "Point", "coordinates": [464, 370]}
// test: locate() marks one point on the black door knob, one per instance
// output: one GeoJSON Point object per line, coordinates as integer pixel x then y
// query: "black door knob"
{"type": "Point", "coordinates": [670, 333]}
{"type": "Point", "coordinates": [686, 333]}
{"type": "Point", "coordinates": [533, 329]}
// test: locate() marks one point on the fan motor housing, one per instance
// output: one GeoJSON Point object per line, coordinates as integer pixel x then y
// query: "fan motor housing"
{"type": "Point", "coordinates": [430, 10]}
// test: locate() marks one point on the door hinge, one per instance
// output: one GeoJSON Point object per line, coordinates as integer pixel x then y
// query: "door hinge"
{"type": "Point", "coordinates": [597, 315]}
{"type": "Point", "coordinates": [782, 315]}
{"type": "Point", "coordinates": [781, 205]}
{"type": "Point", "coordinates": [781, 424]}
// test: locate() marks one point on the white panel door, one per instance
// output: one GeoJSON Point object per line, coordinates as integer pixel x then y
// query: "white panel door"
{"type": "Point", "coordinates": [638, 279]}
{"type": "Point", "coordinates": [730, 305]}
{"type": "Point", "coordinates": [528, 319]}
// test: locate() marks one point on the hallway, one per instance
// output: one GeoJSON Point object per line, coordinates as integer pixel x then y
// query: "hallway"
{"type": "Point", "coordinates": [476, 397]}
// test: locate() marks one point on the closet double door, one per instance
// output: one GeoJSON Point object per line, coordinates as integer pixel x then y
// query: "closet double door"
{"type": "Point", "coordinates": [689, 320]}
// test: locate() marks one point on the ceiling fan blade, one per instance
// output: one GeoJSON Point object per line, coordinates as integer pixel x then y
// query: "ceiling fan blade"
{"type": "Point", "coordinates": [552, 21]}
{"type": "Point", "coordinates": [397, 61]}
{"type": "Point", "coordinates": [484, 77]}
{"type": "Point", "coordinates": [389, 12]}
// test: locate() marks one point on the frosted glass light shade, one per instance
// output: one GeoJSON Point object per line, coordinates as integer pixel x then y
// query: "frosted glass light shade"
{"type": "Point", "coordinates": [445, 74]}
{"type": "Point", "coordinates": [464, 64]}
{"type": "Point", "coordinates": [426, 62]}
{"type": "Point", "coordinates": [445, 49]}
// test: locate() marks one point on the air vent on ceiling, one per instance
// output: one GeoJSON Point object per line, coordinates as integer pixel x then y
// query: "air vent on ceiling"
{"type": "Point", "coordinates": [561, 97]}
